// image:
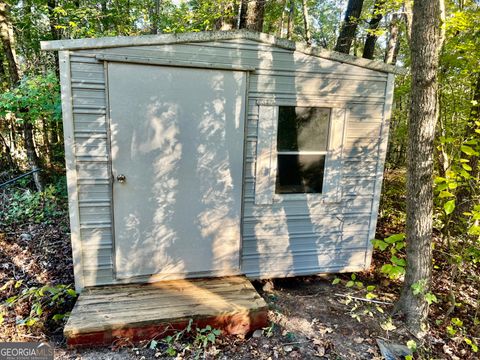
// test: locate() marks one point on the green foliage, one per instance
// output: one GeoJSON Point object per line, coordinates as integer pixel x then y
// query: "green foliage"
{"type": "Point", "coordinates": [44, 302]}
{"type": "Point", "coordinates": [36, 97]}
{"type": "Point", "coordinates": [394, 244]}
{"type": "Point", "coordinates": [189, 341]}
{"type": "Point", "coordinates": [353, 282]}
{"type": "Point", "coordinates": [24, 205]}
{"type": "Point", "coordinates": [456, 328]}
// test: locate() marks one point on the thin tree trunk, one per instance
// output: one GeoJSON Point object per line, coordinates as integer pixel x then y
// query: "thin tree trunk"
{"type": "Point", "coordinates": [393, 44]}
{"type": "Point", "coordinates": [349, 26]}
{"type": "Point", "coordinates": [7, 153]}
{"type": "Point", "coordinates": [408, 15]}
{"type": "Point", "coordinates": [154, 15]}
{"type": "Point", "coordinates": [282, 19]}
{"type": "Point", "coordinates": [8, 43]}
{"type": "Point", "coordinates": [291, 19]}
{"type": "Point", "coordinates": [3, 73]}
{"type": "Point", "coordinates": [104, 11]}
{"type": "Point", "coordinates": [227, 20]}
{"type": "Point", "coordinates": [308, 36]}
{"type": "Point", "coordinates": [369, 48]}
{"type": "Point", "coordinates": [52, 4]}
{"type": "Point", "coordinates": [32, 156]}
{"type": "Point", "coordinates": [475, 117]}
{"type": "Point", "coordinates": [252, 14]}
{"type": "Point", "coordinates": [425, 46]}
{"type": "Point", "coordinates": [46, 142]}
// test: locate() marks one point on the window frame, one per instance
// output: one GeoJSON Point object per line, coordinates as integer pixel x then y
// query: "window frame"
{"type": "Point", "coordinates": [266, 154]}
{"type": "Point", "coordinates": [305, 152]}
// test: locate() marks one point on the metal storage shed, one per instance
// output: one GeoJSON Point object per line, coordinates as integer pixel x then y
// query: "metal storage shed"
{"type": "Point", "coordinates": [220, 153]}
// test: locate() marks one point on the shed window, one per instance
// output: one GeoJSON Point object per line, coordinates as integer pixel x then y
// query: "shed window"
{"type": "Point", "coordinates": [302, 144]}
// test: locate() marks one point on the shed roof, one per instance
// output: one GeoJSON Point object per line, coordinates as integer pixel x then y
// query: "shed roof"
{"type": "Point", "coordinates": [205, 36]}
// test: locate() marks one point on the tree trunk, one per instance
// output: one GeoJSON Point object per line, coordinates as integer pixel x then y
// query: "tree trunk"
{"type": "Point", "coordinates": [282, 19]}
{"type": "Point", "coordinates": [154, 17]}
{"type": "Point", "coordinates": [291, 19]}
{"type": "Point", "coordinates": [3, 72]}
{"type": "Point", "coordinates": [308, 36]}
{"type": "Point", "coordinates": [252, 14]}
{"type": "Point", "coordinates": [54, 33]}
{"type": "Point", "coordinates": [32, 156]}
{"type": "Point", "coordinates": [227, 21]}
{"type": "Point", "coordinates": [8, 43]}
{"type": "Point", "coordinates": [425, 47]}
{"type": "Point", "coordinates": [104, 19]}
{"type": "Point", "coordinates": [349, 26]}
{"type": "Point", "coordinates": [474, 117]}
{"type": "Point", "coordinates": [408, 14]}
{"type": "Point", "coordinates": [46, 142]}
{"type": "Point", "coordinates": [369, 48]}
{"type": "Point", "coordinates": [393, 45]}
{"type": "Point", "coordinates": [8, 154]}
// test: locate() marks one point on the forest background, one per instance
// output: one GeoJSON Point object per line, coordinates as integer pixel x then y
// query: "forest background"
{"type": "Point", "coordinates": [31, 128]}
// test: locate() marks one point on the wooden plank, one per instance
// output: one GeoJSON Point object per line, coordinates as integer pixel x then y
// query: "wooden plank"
{"type": "Point", "coordinates": [133, 310]}
{"type": "Point", "coordinates": [233, 325]}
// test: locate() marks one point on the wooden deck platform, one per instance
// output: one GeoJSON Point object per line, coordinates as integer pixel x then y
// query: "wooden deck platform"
{"type": "Point", "coordinates": [144, 311]}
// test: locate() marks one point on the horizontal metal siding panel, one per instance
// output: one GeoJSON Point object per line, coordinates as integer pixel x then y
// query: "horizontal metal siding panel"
{"type": "Point", "coordinates": [316, 86]}
{"type": "Point", "coordinates": [89, 124]}
{"type": "Point", "coordinates": [260, 56]}
{"type": "Point", "coordinates": [95, 213]}
{"type": "Point", "coordinates": [278, 225]}
{"type": "Point", "coordinates": [91, 147]}
{"type": "Point", "coordinates": [363, 129]}
{"type": "Point", "coordinates": [98, 276]}
{"type": "Point", "coordinates": [358, 169]}
{"type": "Point", "coordinates": [358, 186]}
{"type": "Point", "coordinates": [94, 258]}
{"type": "Point", "coordinates": [93, 192]}
{"type": "Point", "coordinates": [284, 238]}
{"type": "Point", "coordinates": [291, 208]}
{"type": "Point", "coordinates": [91, 151]}
{"type": "Point", "coordinates": [280, 244]}
{"type": "Point", "coordinates": [92, 171]}
{"type": "Point", "coordinates": [304, 263]}
{"type": "Point", "coordinates": [361, 147]}
{"type": "Point", "coordinates": [318, 80]}
{"type": "Point", "coordinates": [94, 238]}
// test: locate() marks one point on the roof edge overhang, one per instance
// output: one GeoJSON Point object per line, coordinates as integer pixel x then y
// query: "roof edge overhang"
{"type": "Point", "coordinates": [204, 36]}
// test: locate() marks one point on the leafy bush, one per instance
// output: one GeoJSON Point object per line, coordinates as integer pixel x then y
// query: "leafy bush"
{"type": "Point", "coordinates": [189, 341]}
{"type": "Point", "coordinates": [393, 244]}
{"type": "Point", "coordinates": [25, 205]}
{"type": "Point", "coordinates": [36, 305]}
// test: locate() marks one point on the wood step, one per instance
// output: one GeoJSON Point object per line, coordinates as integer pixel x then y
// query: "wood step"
{"type": "Point", "coordinates": [145, 311]}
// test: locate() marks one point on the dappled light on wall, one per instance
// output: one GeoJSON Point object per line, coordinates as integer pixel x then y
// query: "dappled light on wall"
{"type": "Point", "coordinates": [178, 212]}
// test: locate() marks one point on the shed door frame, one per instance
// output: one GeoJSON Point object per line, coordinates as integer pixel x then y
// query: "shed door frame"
{"type": "Point", "coordinates": [158, 276]}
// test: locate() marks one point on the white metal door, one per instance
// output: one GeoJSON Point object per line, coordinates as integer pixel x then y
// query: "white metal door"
{"type": "Point", "coordinates": [177, 136]}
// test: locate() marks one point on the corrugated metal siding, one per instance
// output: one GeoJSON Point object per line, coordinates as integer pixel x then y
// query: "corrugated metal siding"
{"type": "Point", "coordinates": [290, 237]}
{"type": "Point", "coordinates": [92, 155]}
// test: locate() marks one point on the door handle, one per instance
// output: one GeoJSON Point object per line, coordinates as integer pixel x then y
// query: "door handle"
{"type": "Point", "coordinates": [121, 178]}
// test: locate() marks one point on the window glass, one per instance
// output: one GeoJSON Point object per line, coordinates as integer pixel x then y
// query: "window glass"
{"type": "Point", "coordinates": [302, 128]}
{"type": "Point", "coordinates": [302, 143]}
{"type": "Point", "coordinates": [300, 173]}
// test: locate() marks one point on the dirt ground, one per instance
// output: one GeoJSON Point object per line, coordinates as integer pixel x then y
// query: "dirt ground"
{"type": "Point", "coordinates": [310, 316]}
